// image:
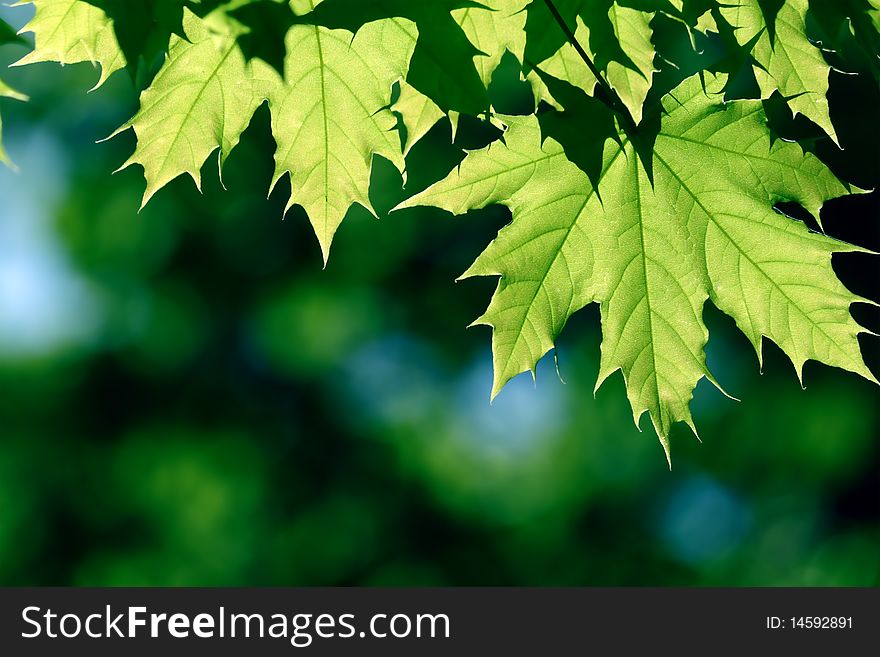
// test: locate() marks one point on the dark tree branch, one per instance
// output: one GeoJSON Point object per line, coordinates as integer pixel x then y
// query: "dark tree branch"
{"type": "Point", "coordinates": [610, 96]}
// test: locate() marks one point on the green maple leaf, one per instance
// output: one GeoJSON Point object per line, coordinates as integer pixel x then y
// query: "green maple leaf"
{"type": "Point", "coordinates": [630, 75]}
{"type": "Point", "coordinates": [652, 252]}
{"type": "Point", "coordinates": [330, 115]}
{"type": "Point", "coordinates": [73, 31]}
{"type": "Point", "coordinates": [786, 60]}
{"type": "Point", "coordinates": [200, 101]}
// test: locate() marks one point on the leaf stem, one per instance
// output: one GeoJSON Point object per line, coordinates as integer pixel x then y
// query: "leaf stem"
{"type": "Point", "coordinates": [611, 97]}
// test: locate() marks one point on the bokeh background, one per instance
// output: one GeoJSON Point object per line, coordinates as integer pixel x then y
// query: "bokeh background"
{"type": "Point", "coordinates": [187, 398]}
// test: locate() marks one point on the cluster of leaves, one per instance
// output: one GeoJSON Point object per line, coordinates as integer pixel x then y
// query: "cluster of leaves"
{"type": "Point", "coordinates": [646, 179]}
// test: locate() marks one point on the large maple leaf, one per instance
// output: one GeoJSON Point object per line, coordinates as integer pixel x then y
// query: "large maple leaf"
{"type": "Point", "coordinates": [651, 245]}
{"type": "Point", "coordinates": [73, 31]}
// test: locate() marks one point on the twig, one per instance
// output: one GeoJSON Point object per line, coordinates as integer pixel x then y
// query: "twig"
{"type": "Point", "coordinates": [613, 100]}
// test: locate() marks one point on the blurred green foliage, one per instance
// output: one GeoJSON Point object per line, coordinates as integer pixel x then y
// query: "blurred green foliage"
{"type": "Point", "coordinates": [186, 398]}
